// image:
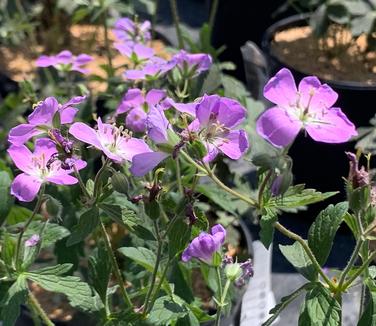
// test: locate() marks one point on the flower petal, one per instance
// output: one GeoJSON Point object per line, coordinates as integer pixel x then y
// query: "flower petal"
{"type": "Point", "coordinates": [67, 115]}
{"type": "Point", "coordinates": [84, 133]}
{"type": "Point", "coordinates": [20, 134]}
{"type": "Point", "coordinates": [234, 145]}
{"type": "Point", "coordinates": [44, 112]}
{"type": "Point", "coordinates": [145, 162]}
{"type": "Point", "coordinates": [281, 89]}
{"type": "Point", "coordinates": [62, 179]}
{"type": "Point", "coordinates": [278, 127]}
{"type": "Point", "coordinates": [154, 96]}
{"type": "Point", "coordinates": [157, 125]}
{"type": "Point", "coordinates": [136, 120]}
{"type": "Point", "coordinates": [205, 107]}
{"type": "Point", "coordinates": [230, 112]}
{"type": "Point", "coordinates": [335, 127]}
{"type": "Point", "coordinates": [44, 147]}
{"type": "Point", "coordinates": [22, 158]}
{"type": "Point", "coordinates": [133, 146]}
{"type": "Point", "coordinates": [319, 97]}
{"type": "Point", "coordinates": [25, 187]}
{"type": "Point", "coordinates": [212, 152]}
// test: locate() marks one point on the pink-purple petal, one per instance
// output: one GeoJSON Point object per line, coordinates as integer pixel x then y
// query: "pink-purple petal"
{"type": "Point", "coordinates": [62, 179]}
{"type": "Point", "coordinates": [281, 89]}
{"type": "Point", "coordinates": [44, 112]}
{"type": "Point", "coordinates": [22, 133]}
{"type": "Point", "coordinates": [21, 157]}
{"type": "Point", "coordinates": [230, 112]}
{"type": "Point", "coordinates": [85, 134]}
{"type": "Point", "coordinates": [334, 127]}
{"type": "Point", "coordinates": [145, 162]}
{"type": "Point", "coordinates": [67, 115]}
{"type": "Point", "coordinates": [278, 127]}
{"type": "Point", "coordinates": [154, 96]}
{"type": "Point", "coordinates": [25, 187]}
{"type": "Point", "coordinates": [136, 120]}
{"type": "Point", "coordinates": [234, 145]}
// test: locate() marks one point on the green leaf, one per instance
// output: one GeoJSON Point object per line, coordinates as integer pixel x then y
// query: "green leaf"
{"type": "Point", "coordinates": [320, 308]}
{"type": "Point", "coordinates": [351, 222]}
{"type": "Point", "coordinates": [141, 256]}
{"type": "Point", "coordinates": [296, 255]}
{"type": "Point", "coordinates": [285, 301]}
{"type": "Point", "coordinates": [296, 196]}
{"type": "Point", "coordinates": [322, 232]}
{"type": "Point", "coordinates": [267, 229]}
{"type": "Point", "coordinates": [18, 214]}
{"type": "Point", "coordinates": [369, 314]}
{"type": "Point", "coordinates": [218, 196]}
{"type": "Point", "coordinates": [6, 200]}
{"type": "Point", "coordinates": [120, 214]}
{"type": "Point", "coordinates": [8, 250]}
{"type": "Point", "coordinates": [100, 271]}
{"type": "Point", "coordinates": [87, 223]}
{"type": "Point", "coordinates": [179, 236]}
{"type": "Point", "coordinates": [79, 293]}
{"type": "Point", "coordinates": [16, 295]}
{"type": "Point", "coordinates": [55, 270]}
{"type": "Point", "coordinates": [165, 311]}
{"type": "Point", "coordinates": [51, 234]}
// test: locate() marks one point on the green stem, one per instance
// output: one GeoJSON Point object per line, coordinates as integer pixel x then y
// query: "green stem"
{"type": "Point", "coordinates": [213, 13]}
{"type": "Point", "coordinates": [262, 188]}
{"type": "Point", "coordinates": [362, 300]}
{"type": "Point", "coordinates": [154, 19]}
{"type": "Point", "coordinates": [97, 178]}
{"type": "Point", "coordinates": [307, 249]}
{"type": "Point", "coordinates": [220, 304]}
{"type": "Point", "coordinates": [175, 16]}
{"type": "Point", "coordinates": [80, 182]}
{"type": "Point", "coordinates": [212, 176]}
{"type": "Point", "coordinates": [156, 267]}
{"type": "Point", "coordinates": [359, 271]}
{"type": "Point", "coordinates": [39, 310]}
{"type": "Point", "coordinates": [107, 41]}
{"type": "Point", "coordinates": [35, 211]}
{"type": "Point", "coordinates": [350, 264]}
{"type": "Point", "coordinates": [115, 266]}
{"type": "Point", "coordinates": [178, 176]}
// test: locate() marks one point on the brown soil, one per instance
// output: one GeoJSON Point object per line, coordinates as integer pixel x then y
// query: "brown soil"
{"type": "Point", "coordinates": [18, 63]}
{"type": "Point", "coordinates": [336, 57]}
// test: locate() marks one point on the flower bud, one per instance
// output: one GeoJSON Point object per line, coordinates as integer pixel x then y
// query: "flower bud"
{"type": "Point", "coordinates": [53, 207]}
{"type": "Point", "coordinates": [233, 271]}
{"type": "Point", "coordinates": [120, 183]}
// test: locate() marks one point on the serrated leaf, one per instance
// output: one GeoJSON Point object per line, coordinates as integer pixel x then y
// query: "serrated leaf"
{"type": "Point", "coordinates": [267, 228]}
{"type": "Point", "coordinates": [285, 301]}
{"type": "Point", "coordinates": [296, 196]}
{"type": "Point", "coordinates": [55, 270]}
{"type": "Point", "coordinates": [15, 296]}
{"type": "Point", "coordinates": [218, 196]}
{"type": "Point", "coordinates": [142, 256]}
{"type": "Point", "coordinates": [78, 293]}
{"type": "Point", "coordinates": [322, 232]}
{"type": "Point", "coordinates": [320, 308]}
{"type": "Point", "coordinates": [6, 200]}
{"type": "Point", "coordinates": [100, 271]}
{"type": "Point", "coordinates": [369, 314]}
{"type": "Point", "coordinates": [296, 255]}
{"type": "Point", "coordinates": [120, 214]}
{"type": "Point", "coordinates": [351, 222]}
{"type": "Point", "coordinates": [51, 234]}
{"type": "Point", "coordinates": [166, 311]}
{"type": "Point", "coordinates": [87, 223]}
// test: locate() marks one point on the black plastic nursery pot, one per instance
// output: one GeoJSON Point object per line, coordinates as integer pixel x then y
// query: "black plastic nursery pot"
{"type": "Point", "coordinates": [320, 165]}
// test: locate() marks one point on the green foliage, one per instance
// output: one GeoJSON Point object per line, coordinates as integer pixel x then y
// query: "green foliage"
{"type": "Point", "coordinates": [369, 314]}
{"type": "Point", "coordinates": [285, 301]}
{"type": "Point", "coordinates": [320, 308]}
{"type": "Point", "coordinates": [11, 302]}
{"type": "Point", "coordinates": [267, 228]}
{"type": "Point", "coordinates": [167, 310]}
{"type": "Point", "coordinates": [322, 232]}
{"type": "Point", "coordinates": [6, 200]}
{"type": "Point", "coordinates": [79, 293]}
{"type": "Point", "coordinates": [52, 232]}
{"type": "Point", "coordinates": [141, 256]}
{"type": "Point", "coordinates": [296, 255]}
{"type": "Point", "coordinates": [87, 223]}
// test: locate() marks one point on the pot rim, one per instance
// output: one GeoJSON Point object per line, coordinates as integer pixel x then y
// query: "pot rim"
{"type": "Point", "coordinates": [300, 20]}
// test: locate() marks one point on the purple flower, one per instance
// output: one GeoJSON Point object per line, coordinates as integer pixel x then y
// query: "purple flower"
{"type": "Point", "coordinates": [158, 129]}
{"type": "Point", "coordinates": [151, 70]}
{"type": "Point", "coordinates": [112, 141]}
{"type": "Point", "coordinates": [38, 168]}
{"type": "Point", "coordinates": [205, 245]}
{"type": "Point", "coordinates": [192, 64]}
{"type": "Point", "coordinates": [66, 61]}
{"type": "Point", "coordinates": [309, 107]}
{"type": "Point", "coordinates": [215, 119]}
{"type": "Point", "coordinates": [127, 30]}
{"type": "Point", "coordinates": [41, 119]}
{"type": "Point", "coordinates": [136, 104]}
{"type": "Point", "coordinates": [247, 272]}
{"type": "Point", "coordinates": [32, 241]}
{"type": "Point", "coordinates": [357, 177]}
{"type": "Point", "coordinates": [136, 52]}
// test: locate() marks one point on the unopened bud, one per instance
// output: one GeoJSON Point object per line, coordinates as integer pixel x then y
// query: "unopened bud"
{"type": "Point", "coordinates": [120, 183]}
{"type": "Point", "coordinates": [233, 271]}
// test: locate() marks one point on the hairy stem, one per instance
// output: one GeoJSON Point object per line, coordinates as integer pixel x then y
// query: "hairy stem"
{"type": "Point", "coordinates": [35, 211]}
{"type": "Point", "coordinates": [175, 16]}
{"type": "Point", "coordinates": [213, 14]}
{"type": "Point", "coordinates": [107, 41]}
{"type": "Point", "coordinates": [39, 310]}
{"type": "Point", "coordinates": [359, 271]}
{"type": "Point", "coordinates": [115, 266]}
{"type": "Point", "coordinates": [156, 267]}
{"type": "Point", "coordinates": [350, 264]}
{"type": "Point", "coordinates": [220, 290]}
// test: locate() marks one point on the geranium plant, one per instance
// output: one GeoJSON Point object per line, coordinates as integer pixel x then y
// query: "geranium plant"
{"type": "Point", "coordinates": [131, 200]}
